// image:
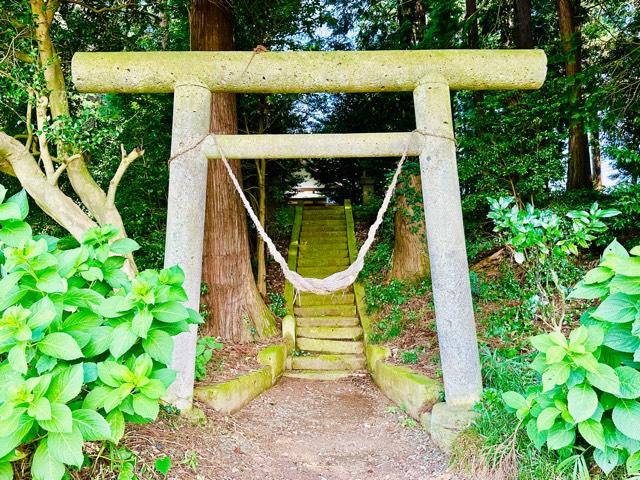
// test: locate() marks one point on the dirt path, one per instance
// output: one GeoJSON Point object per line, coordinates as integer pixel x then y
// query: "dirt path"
{"type": "Point", "coordinates": [301, 430]}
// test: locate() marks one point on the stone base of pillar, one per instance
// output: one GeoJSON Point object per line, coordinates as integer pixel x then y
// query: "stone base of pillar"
{"type": "Point", "coordinates": [445, 422]}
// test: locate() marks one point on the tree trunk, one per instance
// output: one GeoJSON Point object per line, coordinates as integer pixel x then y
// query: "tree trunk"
{"type": "Point", "coordinates": [596, 159]}
{"type": "Point", "coordinates": [261, 167]}
{"type": "Point", "coordinates": [410, 259]}
{"type": "Point", "coordinates": [524, 36]}
{"type": "Point", "coordinates": [579, 168]}
{"type": "Point", "coordinates": [236, 309]}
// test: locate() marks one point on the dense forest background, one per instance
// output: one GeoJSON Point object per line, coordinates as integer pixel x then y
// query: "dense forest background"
{"type": "Point", "coordinates": [580, 132]}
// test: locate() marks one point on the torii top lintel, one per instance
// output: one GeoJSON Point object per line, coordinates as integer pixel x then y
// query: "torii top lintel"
{"type": "Point", "coordinates": [306, 72]}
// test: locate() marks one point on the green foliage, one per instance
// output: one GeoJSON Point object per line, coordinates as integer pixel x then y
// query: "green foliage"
{"type": "Point", "coordinates": [83, 348]}
{"type": "Point", "coordinates": [590, 380]}
{"type": "Point", "coordinates": [539, 234]}
{"type": "Point", "coordinates": [163, 465]}
{"type": "Point", "coordinates": [205, 349]}
{"type": "Point", "coordinates": [277, 304]}
{"type": "Point", "coordinates": [410, 356]}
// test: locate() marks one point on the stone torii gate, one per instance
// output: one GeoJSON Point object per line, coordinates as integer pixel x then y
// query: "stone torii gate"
{"type": "Point", "coordinates": [430, 75]}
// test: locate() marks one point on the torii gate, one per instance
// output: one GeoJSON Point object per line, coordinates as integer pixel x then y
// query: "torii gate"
{"type": "Point", "coordinates": [192, 76]}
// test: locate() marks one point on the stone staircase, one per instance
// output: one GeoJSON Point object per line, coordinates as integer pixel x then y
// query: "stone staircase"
{"type": "Point", "coordinates": [328, 334]}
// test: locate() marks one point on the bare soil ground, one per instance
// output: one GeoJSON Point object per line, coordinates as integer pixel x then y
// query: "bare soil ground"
{"type": "Point", "coordinates": [300, 430]}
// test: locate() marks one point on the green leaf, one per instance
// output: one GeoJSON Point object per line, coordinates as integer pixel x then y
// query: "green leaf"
{"type": "Point", "coordinates": [170, 312]}
{"type": "Point", "coordinates": [116, 424]}
{"type": "Point", "coordinates": [82, 298]}
{"type": "Point", "coordinates": [605, 379]}
{"type": "Point", "coordinates": [95, 398]}
{"type": "Point", "coordinates": [40, 409]}
{"type": "Point", "coordinates": [43, 312]}
{"type": "Point", "coordinates": [633, 464]}
{"type": "Point", "coordinates": [559, 437]}
{"type": "Point", "coordinates": [619, 337]}
{"type": "Point", "coordinates": [145, 407]}
{"type": "Point", "coordinates": [163, 465]}
{"type": "Point", "coordinates": [50, 281]}
{"type": "Point", "coordinates": [153, 389]}
{"type": "Point", "coordinates": [141, 323]}
{"type": "Point", "coordinates": [91, 425]}
{"type": "Point", "coordinates": [17, 359]}
{"type": "Point", "coordinates": [166, 376]}
{"type": "Point", "coordinates": [598, 275]}
{"type": "Point", "coordinates": [607, 460]}
{"type": "Point", "coordinates": [9, 442]}
{"type": "Point", "coordinates": [60, 419]}
{"type": "Point", "coordinates": [124, 246]}
{"type": "Point", "coordinates": [99, 341]}
{"type": "Point", "coordinates": [629, 382]}
{"type": "Point", "coordinates": [556, 374]}
{"type": "Point", "coordinates": [592, 432]}
{"type": "Point", "coordinates": [628, 285]}
{"type": "Point", "coordinates": [6, 471]}
{"type": "Point", "coordinates": [67, 447]}
{"type": "Point", "coordinates": [15, 232]}
{"type": "Point", "coordinates": [588, 292]}
{"type": "Point", "coordinates": [112, 373]}
{"type": "Point", "coordinates": [555, 354]}
{"type": "Point", "coordinates": [66, 384]}
{"type": "Point", "coordinates": [626, 418]}
{"type": "Point", "coordinates": [159, 346]}
{"type": "Point", "coordinates": [538, 438]}
{"type": "Point", "coordinates": [60, 345]}
{"type": "Point", "coordinates": [617, 308]}
{"type": "Point", "coordinates": [122, 340]}
{"type": "Point", "coordinates": [547, 418]}
{"type": "Point", "coordinates": [21, 201]}
{"type": "Point", "coordinates": [113, 307]}
{"type": "Point", "coordinates": [595, 337]}
{"type": "Point", "coordinates": [9, 211]}
{"type": "Point", "coordinates": [44, 466]}
{"type": "Point", "coordinates": [582, 402]}
{"type": "Point", "coordinates": [514, 400]}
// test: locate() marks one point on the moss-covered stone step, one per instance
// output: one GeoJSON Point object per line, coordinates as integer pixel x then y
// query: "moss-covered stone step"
{"type": "Point", "coordinates": [320, 272]}
{"type": "Point", "coordinates": [333, 222]}
{"type": "Point", "coordinates": [324, 220]}
{"type": "Point", "coordinates": [321, 374]}
{"type": "Point", "coordinates": [315, 250]}
{"type": "Point", "coordinates": [322, 261]}
{"type": "Point", "coordinates": [326, 311]}
{"type": "Point", "coordinates": [341, 333]}
{"type": "Point", "coordinates": [329, 346]}
{"type": "Point", "coordinates": [327, 361]}
{"type": "Point", "coordinates": [323, 227]}
{"type": "Point", "coordinates": [335, 321]}
{"type": "Point", "coordinates": [322, 240]}
{"type": "Point", "coordinates": [338, 298]}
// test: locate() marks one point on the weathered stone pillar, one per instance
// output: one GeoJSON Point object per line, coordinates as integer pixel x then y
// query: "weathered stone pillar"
{"type": "Point", "coordinates": [447, 250]}
{"type": "Point", "coordinates": [185, 221]}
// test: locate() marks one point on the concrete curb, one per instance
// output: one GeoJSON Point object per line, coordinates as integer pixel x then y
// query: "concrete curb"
{"type": "Point", "coordinates": [231, 396]}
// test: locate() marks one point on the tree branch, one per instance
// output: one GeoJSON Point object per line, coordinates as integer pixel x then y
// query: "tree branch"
{"type": "Point", "coordinates": [45, 154]}
{"type": "Point", "coordinates": [56, 175]}
{"type": "Point", "coordinates": [126, 160]}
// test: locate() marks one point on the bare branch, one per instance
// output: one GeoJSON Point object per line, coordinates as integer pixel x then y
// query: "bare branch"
{"type": "Point", "coordinates": [126, 160]}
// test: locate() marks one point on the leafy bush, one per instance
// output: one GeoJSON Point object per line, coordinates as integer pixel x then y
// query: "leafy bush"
{"type": "Point", "coordinates": [83, 348]}
{"type": "Point", "coordinates": [204, 351]}
{"type": "Point", "coordinates": [539, 234]}
{"type": "Point", "coordinates": [590, 380]}
{"type": "Point", "coordinates": [277, 304]}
